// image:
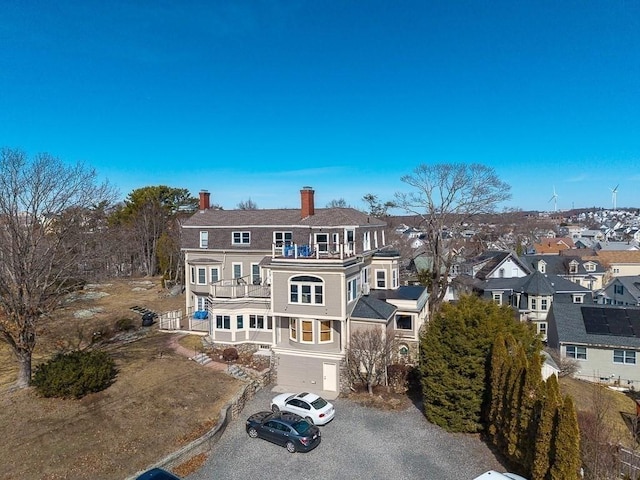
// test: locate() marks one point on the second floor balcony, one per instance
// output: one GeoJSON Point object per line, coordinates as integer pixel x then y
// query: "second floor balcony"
{"type": "Point", "coordinates": [315, 251]}
{"type": "Point", "coordinates": [241, 287]}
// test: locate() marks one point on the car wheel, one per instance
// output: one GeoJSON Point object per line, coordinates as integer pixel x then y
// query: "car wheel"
{"type": "Point", "coordinates": [275, 409]}
{"type": "Point", "coordinates": [253, 433]}
{"type": "Point", "coordinates": [291, 448]}
{"type": "Point", "coordinates": [309, 420]}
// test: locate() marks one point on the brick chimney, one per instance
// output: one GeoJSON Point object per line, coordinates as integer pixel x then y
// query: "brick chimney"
{"type": "Point", "coordinates": [204, 200]}
{"type": "Point", "coordinates": [306, 200]}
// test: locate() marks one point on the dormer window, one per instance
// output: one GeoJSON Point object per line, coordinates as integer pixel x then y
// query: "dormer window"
{"type": "Point", "coordinates": [590, 267]}
{"type": "Point", "coordinates": [542, 266]}
{"type": "Point", "coordinates": [573, 267]}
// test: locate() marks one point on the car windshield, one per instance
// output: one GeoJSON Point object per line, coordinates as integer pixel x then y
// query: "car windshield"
{"type": "Point", "coordinates": [319, 403]}
{"type": "Point", "coordinates": [301, 427]}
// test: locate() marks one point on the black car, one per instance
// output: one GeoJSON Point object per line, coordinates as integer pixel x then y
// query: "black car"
{"type": "Point", "coordinates": [157, 474]}
{"type": "Point", "coordinates": [287, 429]}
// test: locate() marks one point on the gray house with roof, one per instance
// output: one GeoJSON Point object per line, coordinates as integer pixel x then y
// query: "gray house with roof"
{"type": "Point", "coordinates": [531, 296]}
{"type": "Point", "coordinates": [604, 341]}
{"type": "Point", "coordinates": [624, 290]}
{"type": "Point", "coordinates": [294, 283]}
{"type": "Point", "coordinates": [587, 272]}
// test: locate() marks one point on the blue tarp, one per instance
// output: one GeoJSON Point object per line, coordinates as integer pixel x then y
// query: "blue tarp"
{"type": "Point", "coordinates": [200, 314]}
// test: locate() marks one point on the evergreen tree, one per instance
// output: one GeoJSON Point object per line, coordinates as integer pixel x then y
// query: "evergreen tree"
{"type": "Point", "coordinates": [565, 449]}
{"type": "Point", "coordinates": [514, 388]}
{"type": "Point", "coordinates": [499, 361]}
{"type": "Point", "coordinates": [455, 353]}
{"type": "Point", "coordinates": [548, 412]}
{"type": "Point", "coordinates": [533, 390]}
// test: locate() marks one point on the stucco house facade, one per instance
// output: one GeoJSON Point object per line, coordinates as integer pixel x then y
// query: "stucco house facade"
{"type": "Point", "coordinates": [293, 283]}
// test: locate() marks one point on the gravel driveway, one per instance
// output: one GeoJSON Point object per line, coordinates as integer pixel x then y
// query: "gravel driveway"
{"type": "Point", "coordinates": [359, 443]}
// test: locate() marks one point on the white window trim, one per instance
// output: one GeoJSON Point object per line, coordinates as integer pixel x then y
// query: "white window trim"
{"type": "Point", "coordinates": [385, 278]}
{"type": "Point", "coordinates": [204, 239]}
{"type": "Point", "coordinates": [193, 275]}
{"type": "Point", "coordinates": [576, 357]}
{"type": "Point", "coordinates": [283, 234]}
{"type": "Point", "coordinates": [233, 269]}
{"type": "Point", "coordinates": [202, 270]}
{"type": "Point", "coordinates": [299, 284]}
{"type": "Point", "coordinates": [352, 289]}
{"type": "Point", "coordinates": [320, 341]}
{"type": "Point", "coordinates": [624, 356]}
{"type": "Point", "coordinates": [259, 273]}
{"type": "Point", "coordinates": [313, 332]}
{"type": "Point", "coordinates": [242, 235]}
{"type": "Point", "coordinates": [211, 270]}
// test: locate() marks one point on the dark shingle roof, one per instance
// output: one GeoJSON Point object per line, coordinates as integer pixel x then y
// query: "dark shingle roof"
{"type": "Point", "coordinates": [568, 322]}
{"type": "Point", "coordinates": [404, 292]}
{"type": "Point", "coordinates": [371, 308]}
{"type": "Point", "coordinates": [281, 217]}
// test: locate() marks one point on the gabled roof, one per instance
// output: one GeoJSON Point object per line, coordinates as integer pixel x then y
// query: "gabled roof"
{"type": "Point", "coordinates": [571, 322]}
{"type": "Point", "coordinates": [553, 245]}
{"type": "Point", "coordinates": [283, 217]}
{"type": "Point", "coordinates": [607, 258]}
{"type": "Point", "coordinates": [370, 308]}
{"type": "Point", "coordinates": [535, 283]}
{"type": "Point", "coordinates": [491, 260]}
{"type": "Point", "coordinates": [559, 264]}
{"type": "Point", "coordinates": [630, 282]}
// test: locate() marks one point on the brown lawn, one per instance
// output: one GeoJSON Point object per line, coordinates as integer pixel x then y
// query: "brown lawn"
{"type": "Point", "coordinates": [159, 402]}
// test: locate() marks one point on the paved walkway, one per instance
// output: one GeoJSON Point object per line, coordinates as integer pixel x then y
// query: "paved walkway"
{"type": "Point", "coordinates": [186, 352]}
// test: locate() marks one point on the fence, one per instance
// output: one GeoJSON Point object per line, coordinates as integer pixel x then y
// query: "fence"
{"type": "Point", "coordinates": [629, 463]}
{"type": "Point", "coordinates": [170, 320]}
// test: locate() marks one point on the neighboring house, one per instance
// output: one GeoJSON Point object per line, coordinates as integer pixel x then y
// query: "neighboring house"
{"type": "Point", "coordinates": [593, 235]}
{"type": "Point", "coordinates": [531, 296]}
{"type": "Point", "coordinates": [619, 263]}
{"type": "Point", "coordinates": [294, 282]}
{"type": "Point", "coordinates": [553, 246]}
{"type": "Point", "coordinates": [603, 340]}
{"type": "Point", "coordinates": [587, 272]}
{"type": "Point", "coordinates": [617, 246]}
{"type": "Point", "coordinates": [494, 264]}
{"type": "Point", "coordinates": [621, 291]}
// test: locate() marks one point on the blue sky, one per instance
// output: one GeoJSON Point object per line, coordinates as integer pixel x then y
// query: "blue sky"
{"type": "Point", "coordinates": [256, 99]}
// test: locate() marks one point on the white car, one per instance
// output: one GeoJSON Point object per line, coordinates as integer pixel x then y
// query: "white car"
{"type": "Point", "coordinates": [309, 406]}
{"type": "Point", "coordinates": [493, 475]}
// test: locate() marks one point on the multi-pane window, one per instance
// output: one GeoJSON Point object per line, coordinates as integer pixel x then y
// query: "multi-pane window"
{"type": "Point", "coordinates": [322, 241]}
{"type": "Point", "coordinates": [542, 328]}
{"type": "Point", "coordinates": [544, 304]}
{"type": "Point", "coordinates": [352, 289]}
{"type": "Point", "coordinates": [202, 276]}
{"type": "Point", "coordinates": [534, 303]}
{"type": "Point", "coordinates": [306, 289]}
{"type": "Point", "coordinates": [214, 274]}
{"type": "Point", "coordinates": [394, 278]}
{"type": "Point", "coordinates": [577, 352]}
{"type": "Point", "coordinates": [624, 356]}
{"type": "Point", "coordinates": [282, 238]}
{"type": "Point", "coordinates": [237, 270]}
{"type": "Point", "coordinates": [239, 321]}
{"type": "Point", "coordinates": [255, 274]}
{"type": "Point", "coordinates": [325, 331]}
{"type": "Point", "coordinates": [223, 322]}
{"type": "Point", "coordinates": [573, 267]}
{"type": "Point", "coordinates": [258, 322]}
{"type": "Point", "coordinates": [497, 298]}
{"type": "Point", "coordinates": [293, 329]}
{"type": "Point", "coordinates": [381, 278]}
{"type": "Point", "coordinates": [241, 238]}
{"type": "Point", "coordinates": [204, 239]}
{"type": "Point", "coordinates": [202, 303]}
{"type": "Point", "coordinates": [618, 289]}
{"type": "Point", "coordinates": [578, 299]}
{"type": "Point", "coordinates": [307, 331]}
{"type": "Point", "coordinates": [590, 267]}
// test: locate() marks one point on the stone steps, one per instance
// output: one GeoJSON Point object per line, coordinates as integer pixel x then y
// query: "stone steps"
{"type": "Point", "coordinates": [201, 358]}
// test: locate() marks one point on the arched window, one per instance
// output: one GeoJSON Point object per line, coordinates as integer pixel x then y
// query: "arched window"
{"type": "Point", "coordinates": [306, 289]}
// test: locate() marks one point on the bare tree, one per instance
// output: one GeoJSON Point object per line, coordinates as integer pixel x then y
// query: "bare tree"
{"type": "Point", "coordinates": [376, 207]}
{"type": "Point", "coordinates": [369, 354]}
{"type": "Point", "coordinates": [337, 203]}
{"type": "Point", "coordinates": [44, 206]}
{"type": "Point", "coordinates": [447, 196]}
{"type": "Point", "coordinates": [247, 205]}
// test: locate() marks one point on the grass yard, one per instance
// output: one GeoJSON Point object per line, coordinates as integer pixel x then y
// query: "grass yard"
{"type": "Point", "coordinates": [619, 404]}
{"type": "Point", "coordinates": [159, 402]}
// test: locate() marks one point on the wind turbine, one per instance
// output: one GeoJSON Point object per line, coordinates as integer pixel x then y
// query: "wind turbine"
{"type": "Point", "coordinates": [554, 198]}
{"type": "Point", "coordinates": [614, 194]}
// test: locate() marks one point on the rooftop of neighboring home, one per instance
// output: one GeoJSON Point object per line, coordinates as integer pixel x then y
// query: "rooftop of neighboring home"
{"type": "Point", "coordinates": [603, 325]}
{"type": "Point", "coordinates": [551, 246]}
{"type": "Point", "coordinates": [560, 264]}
